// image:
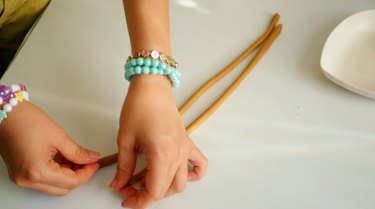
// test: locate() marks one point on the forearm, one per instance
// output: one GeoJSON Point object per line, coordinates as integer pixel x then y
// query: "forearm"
{"type": "Point", "coordinates": [148, 24]}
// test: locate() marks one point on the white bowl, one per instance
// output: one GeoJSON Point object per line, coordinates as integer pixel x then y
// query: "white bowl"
{"type": "Point", "coordinates": [348, 57]}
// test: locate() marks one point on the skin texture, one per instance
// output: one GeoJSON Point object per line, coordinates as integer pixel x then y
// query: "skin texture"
{"type": "Point", "coordinates": [40, 155]}
{"type": "Point", "coordinates": [148, 24]}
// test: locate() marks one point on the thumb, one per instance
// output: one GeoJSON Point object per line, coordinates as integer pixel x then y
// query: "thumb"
{"type": "Point", "coordinates": [77, 154]}
{"type": "Point", "coordinates": [125, 165]}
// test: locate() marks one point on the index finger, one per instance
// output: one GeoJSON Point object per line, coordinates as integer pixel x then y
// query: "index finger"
{"type": "Point", "coordinates": [199, 163]}
{"type": "Point", "coordinates": [157, 182]}
{"type": "Point", "coordinates": [66, 178]}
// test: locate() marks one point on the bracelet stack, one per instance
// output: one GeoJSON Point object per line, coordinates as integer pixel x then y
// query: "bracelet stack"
{"type": "Point", "coordinates": [10, 96]}
{"type": "Point", "coordinates": [154, 63]}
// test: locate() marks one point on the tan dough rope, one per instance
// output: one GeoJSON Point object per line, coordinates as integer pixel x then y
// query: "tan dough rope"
{"type": "Point", "coordinates": [230, 67]}
{"type": "Point", "coordinates": [210, 110]}
{"type": "Point", "coordinates": [268, 38]}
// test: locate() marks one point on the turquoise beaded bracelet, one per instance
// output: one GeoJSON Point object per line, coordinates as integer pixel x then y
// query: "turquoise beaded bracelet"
{"type": "Point", "coordinates": [140, 65]}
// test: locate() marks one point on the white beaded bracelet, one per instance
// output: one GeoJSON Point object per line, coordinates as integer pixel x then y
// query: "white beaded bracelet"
{"type": "Point", "coordinates": [10, 97]}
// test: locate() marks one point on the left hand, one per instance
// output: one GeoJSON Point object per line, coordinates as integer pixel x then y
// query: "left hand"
{"type": "Point", "coordinates": [40, 155]}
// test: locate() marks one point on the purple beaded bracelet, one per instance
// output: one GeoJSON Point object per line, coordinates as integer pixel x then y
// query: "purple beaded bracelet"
{"type": "Point", "coordinates": [10, 96]}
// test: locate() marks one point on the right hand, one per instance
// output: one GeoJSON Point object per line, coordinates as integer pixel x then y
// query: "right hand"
{"type": "Point", "coordinates": [40, 155]}
{"type": "Point", "coordinates": [150, 123]}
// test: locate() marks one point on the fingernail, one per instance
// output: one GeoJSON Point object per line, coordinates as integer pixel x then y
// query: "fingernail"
{"type": "Point", "coordinates": [94, 155]}
{"type": "Point", "coordinates": [113, 184]}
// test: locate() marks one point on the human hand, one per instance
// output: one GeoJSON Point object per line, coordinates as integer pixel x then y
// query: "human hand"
{"type": "Point", "coordinates": [40, 155]}
{"type": "Point", "coordinates": [150, 123]}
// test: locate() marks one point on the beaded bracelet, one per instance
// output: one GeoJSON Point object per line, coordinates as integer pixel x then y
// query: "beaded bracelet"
{"type": "Point", "coordinates": [154, 54]}
{"type": "Point", "coordinates": [140, 65]}
{"type": "Point", "coordinates": [10, 96]}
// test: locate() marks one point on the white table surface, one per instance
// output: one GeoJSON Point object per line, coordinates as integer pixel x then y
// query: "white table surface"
{"type": "Point", "coordinates": [287, 138]}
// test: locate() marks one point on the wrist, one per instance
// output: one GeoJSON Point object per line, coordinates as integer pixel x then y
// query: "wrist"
{"type": "Point", "coordinates": [10, 97]}
{"type": "Point", "coordinates": [152, 62]}
{"type": "Point", "coordinates": [146, 90]}
{"type": "Point", "coordinates": [157, 83]}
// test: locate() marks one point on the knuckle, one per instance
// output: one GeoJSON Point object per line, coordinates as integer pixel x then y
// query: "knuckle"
{"type": "Point", "coordinates": [62, 193]}
{"type": "Point", "coordinates": [124, 146]}
{"type": "Point", "coordinates": [121, 143]}
{"type": "Point", "coordinates": [180, 187]}
{"type": "Point", "coordinates": [33, 174]}
{"type": "Point", "coordinates": [72, 185]}
{"type": "Point", "coordinates": [78, 151]}
{"type": "Point", "coordinates": [122, 167]}
{"type": "Point", "coordinates": [200, 176]}
{"type": "Point", "coordinates": [123, 171]}
{"type": "Point", "coordinates": [18, 180]}
{"type": "Point", "coordinates": [155, 195]}
{"type": "Point", "coordinates": [124, 141]}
